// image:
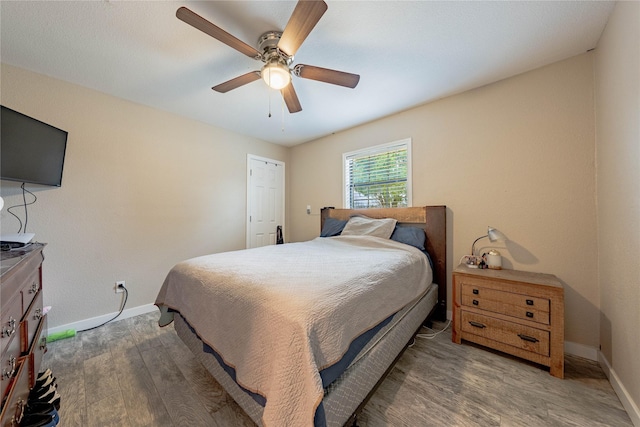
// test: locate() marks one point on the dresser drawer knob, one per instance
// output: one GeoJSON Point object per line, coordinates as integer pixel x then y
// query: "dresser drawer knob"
{"type": "Point", "coordinates": [10, 329]}
{"type": "Point", "coordinates": [529, 302]}
{"type": "Point", "coordinates": [477, 324]}
{"type": "Point", "coordinates": [527, 338]}
{"type": "Point", "coordinates": [38, 314]}
{"type": "Point", "coordinates": [529, 314]}
{"type": "Point", "coordinates": [475, 302]}
{"type": "Point", "coordinates": [476, 292]}
{"type": "Point", "coordinates": [6, 374]}
{"type": "Point", "coordinates": [34, 288]}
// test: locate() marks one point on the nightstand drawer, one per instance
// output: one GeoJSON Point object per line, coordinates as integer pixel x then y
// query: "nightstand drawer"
{"type": "Point", "coordinates": [508, 303]}
{"type": "Point", "coordinates": [513, 334]}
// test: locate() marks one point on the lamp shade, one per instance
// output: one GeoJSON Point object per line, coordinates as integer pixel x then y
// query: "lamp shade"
{"type": "Point", "coordinates": [495, 235]}
{"type": "Point", "coordinates": [276, 75]}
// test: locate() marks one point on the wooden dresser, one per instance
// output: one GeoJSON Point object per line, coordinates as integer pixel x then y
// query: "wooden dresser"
{"type": "Point", "coordinates": [517, 312]}
{"type": "Point", "coordinates": [22, 329]}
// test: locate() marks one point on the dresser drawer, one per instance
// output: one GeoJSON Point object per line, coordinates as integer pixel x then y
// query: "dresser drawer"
{"type": "Point", "coordinates": [513, 334]}
{"type": "Point", "coordinates": [37, 350]}
{"type": "Point", "coordinates": [9, 364]}
{"type": "Point", "coordinates": [30, 323]}
{"type": "Point", "coordinates": [30, 289]}
{"type": "Point", "coordinates": [14, 407]}
{"type": "Point", "coordinates": [22, 275]}
{"type": "Point", "coordinates": [507, 303]}
{"type": "Point", "coordinates": [10, 322]}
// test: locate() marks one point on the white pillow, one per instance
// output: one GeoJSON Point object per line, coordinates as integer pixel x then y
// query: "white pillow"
{"type": "Point", "coordinates": [364, 226]}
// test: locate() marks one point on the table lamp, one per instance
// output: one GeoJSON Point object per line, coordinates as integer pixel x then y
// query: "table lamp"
{"type": "Point", "coordinates": [493, 234]}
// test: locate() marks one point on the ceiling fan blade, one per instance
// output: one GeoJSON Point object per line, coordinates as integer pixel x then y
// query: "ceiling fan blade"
{"type": "Point", "coordinates": [291, 99]}
{"type": "Point", "coordinates": [326, 75]}
{"type": "Point", "coordinates": [216, 32]}
{"type": "Point", "coordinates": [237, 82]}
{"type": "Point", "coordinates": [304, 17]}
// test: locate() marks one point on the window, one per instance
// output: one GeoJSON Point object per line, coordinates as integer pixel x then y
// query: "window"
{"type": "Point", "coordinates": [378, 177]}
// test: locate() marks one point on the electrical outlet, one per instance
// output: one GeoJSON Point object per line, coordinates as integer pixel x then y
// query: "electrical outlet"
{"type": "Point", "coordinates": [120, 285]}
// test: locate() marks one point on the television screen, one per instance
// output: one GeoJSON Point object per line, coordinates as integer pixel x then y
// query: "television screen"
{"type": "Point", "coordinates": [30, 150]}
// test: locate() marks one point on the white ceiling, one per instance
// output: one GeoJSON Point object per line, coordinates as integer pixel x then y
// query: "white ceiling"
{"type": "Point", "coordinates": [407, 54]}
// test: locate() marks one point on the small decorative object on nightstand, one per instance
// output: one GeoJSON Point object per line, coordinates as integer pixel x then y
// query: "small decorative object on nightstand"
{"type": "Point", "coordinates": [516, 312]}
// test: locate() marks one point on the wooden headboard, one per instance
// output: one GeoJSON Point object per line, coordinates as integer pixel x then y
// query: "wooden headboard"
{"type": "Point", "coordinates": [432, 219]}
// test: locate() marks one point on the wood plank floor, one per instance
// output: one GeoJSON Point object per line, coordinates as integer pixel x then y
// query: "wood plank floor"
{"type": "Point", "coordinates": [133, 373]}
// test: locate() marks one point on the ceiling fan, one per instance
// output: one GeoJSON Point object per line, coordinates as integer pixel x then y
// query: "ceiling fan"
{"type": "Point", "coordinates": [276, 50]}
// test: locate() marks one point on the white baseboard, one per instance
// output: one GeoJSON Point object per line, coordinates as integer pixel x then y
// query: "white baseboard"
{"type": "Point", "coordinates": [629, 405]}
{"type": "Point", "coordinates": [581, 350]}
{"type": "Point", "coordinates": [594, 354]}
{"type": "Point", "coordinates": [95, 321]}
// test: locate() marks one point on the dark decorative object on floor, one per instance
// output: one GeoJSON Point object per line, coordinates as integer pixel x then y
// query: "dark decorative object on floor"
{"type": "Point", "coordinates": [42, 407]}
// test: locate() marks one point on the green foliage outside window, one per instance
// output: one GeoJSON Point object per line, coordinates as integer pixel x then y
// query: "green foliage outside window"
{"type": "Point", "coordinates": [379, 180]}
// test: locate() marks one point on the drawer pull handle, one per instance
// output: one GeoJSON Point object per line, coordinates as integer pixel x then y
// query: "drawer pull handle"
{"type": "Point", "coordinates": [529, 314]}
{"type": "Point", "coordinates": [17, 417]}
{"type": "Point", "coordinates": [527, 338]}
{"type": "Point", "coordinates": [529, 302]}
{"type": "Point", "coordinates": [43, 344]}
{"type": "Point", "coordinates": [38, 314]}
{"type": "Point", "coordinates": [475, 302]}
{"type": "Point", "coordinates": [476, 292]}
{"type": "Point", "coordinates": [34, 288]}
{"type": "Point", "coordinates": [477, 324]}
{"type": "Point", "coordinates": [9, 330]}
{"type": "Point", "coordinates": [6, 374]}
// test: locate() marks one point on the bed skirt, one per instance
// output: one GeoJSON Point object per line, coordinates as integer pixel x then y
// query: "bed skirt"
{"type": "Point", "coordinates": [343, 396]}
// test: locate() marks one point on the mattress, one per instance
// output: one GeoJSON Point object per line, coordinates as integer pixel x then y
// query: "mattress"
{"type": "Point", "coordinates": [342, 397]}
{"type": "Point", "coordinates": [280, 315]}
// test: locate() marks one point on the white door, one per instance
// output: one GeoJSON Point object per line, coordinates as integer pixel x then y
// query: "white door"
{"type": "Point", "coordinates": [265, 201]}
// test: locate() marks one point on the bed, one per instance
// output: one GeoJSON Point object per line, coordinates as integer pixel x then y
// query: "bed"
{"type": "Point", "coordinates": [303, 333]}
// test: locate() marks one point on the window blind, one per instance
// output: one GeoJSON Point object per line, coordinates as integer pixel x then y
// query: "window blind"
{"type": "Point", "coordinates": [378, 177]}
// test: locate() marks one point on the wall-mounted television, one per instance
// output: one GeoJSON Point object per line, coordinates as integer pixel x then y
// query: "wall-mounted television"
{"type": "Point", "coordinates": [30, 151]}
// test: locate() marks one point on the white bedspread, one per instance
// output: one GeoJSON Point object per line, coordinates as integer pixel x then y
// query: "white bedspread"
{"type": "Point", "coordinates": [280, 314]}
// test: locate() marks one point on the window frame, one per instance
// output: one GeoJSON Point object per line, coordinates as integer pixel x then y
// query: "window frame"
{"type": "Point", "coordinates": [371, 151]}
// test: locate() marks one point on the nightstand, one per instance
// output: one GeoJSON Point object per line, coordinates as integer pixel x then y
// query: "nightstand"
{"type": "Point", "coordinates": [516, 312]}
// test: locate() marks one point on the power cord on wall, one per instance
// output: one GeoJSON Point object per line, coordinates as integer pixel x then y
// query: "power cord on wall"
{"type": "Point", "coordinates": [24, 204]}
{"type": "Point", "coordinates": [126, 295]}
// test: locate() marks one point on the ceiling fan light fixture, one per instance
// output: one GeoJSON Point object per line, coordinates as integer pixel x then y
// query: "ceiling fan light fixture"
{"type": "Point", "coordinates": [276, 75]}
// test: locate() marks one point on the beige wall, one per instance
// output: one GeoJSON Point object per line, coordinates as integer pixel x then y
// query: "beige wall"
{"type": "Point", "coordinates": [142, 189]}
{"type": "Point", "coordinates": [617, 85]}
{"type": "Point", "coordinates": [517, 155]}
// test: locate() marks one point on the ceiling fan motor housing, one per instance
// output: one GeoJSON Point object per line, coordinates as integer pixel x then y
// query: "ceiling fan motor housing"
{"type": "Point", "coordinates": [268, 47]}
{"type": "Point", "coordinates": [276, 72]}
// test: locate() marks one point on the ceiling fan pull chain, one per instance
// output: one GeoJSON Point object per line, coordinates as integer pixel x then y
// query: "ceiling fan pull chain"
{"type": "Point", "coordinates": [269, 91]}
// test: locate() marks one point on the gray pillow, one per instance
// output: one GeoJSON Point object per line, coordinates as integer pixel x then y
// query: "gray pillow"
{"type": "Point", "coordinates": [332, 227]}
{"type": "Point", "coordinates": [365, 226]}
{"type": "Point", "coordinates": [413, 236]}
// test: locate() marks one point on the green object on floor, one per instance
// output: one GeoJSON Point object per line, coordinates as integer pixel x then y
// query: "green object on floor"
{"type": "Point", "coordinates": [61, 335]}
